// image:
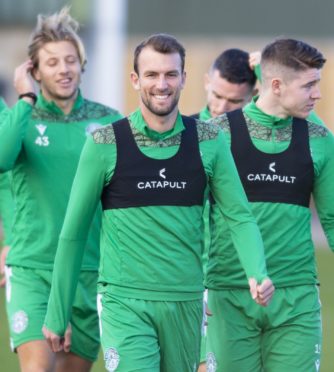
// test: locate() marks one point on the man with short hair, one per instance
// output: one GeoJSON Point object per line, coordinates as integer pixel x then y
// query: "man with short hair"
{"type": "Point", "coordinates": [282, 160]}
{"type": "Point", "coordinates": [41, 139]}
{"type": "Point", "coordinates": [230, 83]}
{"type": "Point", "coordinates": [153, 171]}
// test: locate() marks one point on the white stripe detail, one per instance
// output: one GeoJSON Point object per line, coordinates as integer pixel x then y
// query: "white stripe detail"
{"type": "Point", "coordinates": [8, 275]}
{"type": "Point", "coordinates": [205, 317]}
{"type": "Point", "coordinates": [99, 310]}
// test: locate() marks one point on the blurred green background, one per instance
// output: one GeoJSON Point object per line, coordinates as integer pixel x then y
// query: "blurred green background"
{"type": "Point", "coordinates": [9, 363]}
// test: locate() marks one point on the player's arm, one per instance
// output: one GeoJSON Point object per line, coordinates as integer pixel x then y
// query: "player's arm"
{"type": "Point", "coordinates": [13, 122]}
{"type": "Point", "coordinates": [229, 194]}
{"type": "Point", "coordinates": [85, 195]}
{"type": "Point", "coordinates": [6, 207]}
{"type": "Point", "coordinates": [254, 64]}
{"type": "Point", "coordinates": [314, 118]}
{"type": "Point", "coordinates": [7, 216]}
{"type": "Point", "coordinates": [324, 186]}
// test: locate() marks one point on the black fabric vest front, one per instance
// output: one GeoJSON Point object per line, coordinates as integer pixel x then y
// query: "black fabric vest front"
{"type": "Point", "coordinates": [140, 181]}
{"type": "Point", "coordinates": [285, 177]}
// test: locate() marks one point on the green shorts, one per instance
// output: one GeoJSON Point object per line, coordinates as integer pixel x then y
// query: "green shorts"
{"type": "Point", "coordinates": [150, 336]}
{"type": "Point", "coordinates": [27, 294]}
{"type": "Point", "coordinates": [284, 336]}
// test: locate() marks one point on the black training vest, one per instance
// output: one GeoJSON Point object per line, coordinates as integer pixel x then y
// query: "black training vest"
{"type": "Point", "coordinates": [140, 181]}
{"type": "Point", "coordinates": [285, 177]}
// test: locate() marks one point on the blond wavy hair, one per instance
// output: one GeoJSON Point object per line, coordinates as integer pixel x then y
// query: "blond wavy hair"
{"type": "Point", "coordinates": [59, 26]}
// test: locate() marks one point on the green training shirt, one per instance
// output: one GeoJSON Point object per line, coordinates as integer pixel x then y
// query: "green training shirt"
{"type": "Point", "coordinates": [6, 199]}
{"type": "Point", "coordinates": [205, 114]}
{"type": "Point", "coordinates": [2, 104]}
{"type": "Point", "coordinates": [42, 147]}
{"type": "Point", "coordinates": [285, 228]}
{"type": "Point", "coordinates": [6, 207]}
{"type": "Point", "coordinates": [151, 252]}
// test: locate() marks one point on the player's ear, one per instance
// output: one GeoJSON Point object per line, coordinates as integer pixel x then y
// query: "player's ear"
{"type": "Point", "coordinates": [184, 77]}
{"type": "Point", "coordinates": [135, 80]}
{"type": "Point", "coordinates": [276, 85]}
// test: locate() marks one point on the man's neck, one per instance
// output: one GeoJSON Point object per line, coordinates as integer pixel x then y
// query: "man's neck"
{"type": "Point", "coordinates": [270, 106]}
{"type": "Point", "coordinates": [65, 105]}
{"type": "Point", "coordinates": [159, 123]}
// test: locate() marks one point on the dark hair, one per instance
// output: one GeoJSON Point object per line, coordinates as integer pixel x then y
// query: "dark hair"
{"type": "Point", "coordinates": [233, 65]}
{"type": "Point", "coordinates": [294, 54]}
{"type": "Point", "coordinates": [162, 43]}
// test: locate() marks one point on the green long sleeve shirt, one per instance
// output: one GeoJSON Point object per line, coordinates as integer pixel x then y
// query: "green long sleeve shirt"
{"type": "Point", "coordinates": [2, 104]}
{"type": "Point", "coordinates": [6, 208]}
{"type": "Point", "coordinates": [285, 228]}
{"type": "Point", "coordinates": [151, 252]}
{"type": "Point", "coordinates": [41, 146]}
{"type": "Point", "coordinates": [6, 199]}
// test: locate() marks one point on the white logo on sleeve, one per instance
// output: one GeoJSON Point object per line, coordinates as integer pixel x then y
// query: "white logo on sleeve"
{"type": "Point", "coordinates": [272, 167]}
{"type": "Point", "coordinates": [92, 127]}
{"type": "Point", "coordinates": [41, 140]}
{"type": "Point", "coordinates": [162, 173]}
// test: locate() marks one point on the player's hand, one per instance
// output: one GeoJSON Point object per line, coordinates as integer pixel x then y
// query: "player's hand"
{"type": "Point", "coordinates": [261, 293]}
{"type": "Point", "coordinates": [265, 292]}
{"type": "Point", "coordinates": [208, 312]}
{"type": "Point", "coordinates": [254, 59]}
{"type": "Point", "coordinates": [23, 81]}
{"type": "Point", "coordinates": [58, 343]}
{"type": "Point", "coordinates": [3, 256]}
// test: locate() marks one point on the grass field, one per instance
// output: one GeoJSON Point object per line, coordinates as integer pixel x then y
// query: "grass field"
{"type": "Point", "coordinates": [8, 360]}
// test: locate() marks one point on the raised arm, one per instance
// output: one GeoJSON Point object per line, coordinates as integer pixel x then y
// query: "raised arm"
{"type": "Point", "coordinates": [13, 122]}
{"type": "Point", "coordinates": [324, 186]}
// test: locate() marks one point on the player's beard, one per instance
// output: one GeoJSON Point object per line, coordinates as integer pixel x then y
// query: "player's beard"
{"type": "Point", "coordinates": [160, 110]}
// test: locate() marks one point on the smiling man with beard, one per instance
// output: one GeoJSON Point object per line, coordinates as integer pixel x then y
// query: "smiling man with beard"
{"type": "Point", "coordinates": [40, 142]}
{"type": "Point", "coordinates": [151, 279]}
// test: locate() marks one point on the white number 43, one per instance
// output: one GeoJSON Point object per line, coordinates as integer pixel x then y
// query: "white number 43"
{"type": "Point", "coordinates": [42, 141]}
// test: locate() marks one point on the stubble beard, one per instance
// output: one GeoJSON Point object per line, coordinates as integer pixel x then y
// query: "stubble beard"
{"type": "Point", "coordinates": [163, 111]}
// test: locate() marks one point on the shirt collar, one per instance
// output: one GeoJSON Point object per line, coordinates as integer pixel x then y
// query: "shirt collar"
{"type": "Point", "coordinates": [51, 106]}
{"type": "Point", "coordinates": [205, 114]}
{"type": "Point", "coordinates": [136, 118]}
{"type": "Point", "coordinates": [270, 121]}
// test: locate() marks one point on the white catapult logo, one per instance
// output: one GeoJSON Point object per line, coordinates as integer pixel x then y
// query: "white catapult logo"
{"type": "Point", "coordinates": [161, 184]}
{"type": "Point", "coordinates": [41, 140]}
{"type": "Point", "coordinates": [272, 167]}
{"type": "Point", "coordinates": [270, 177]}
